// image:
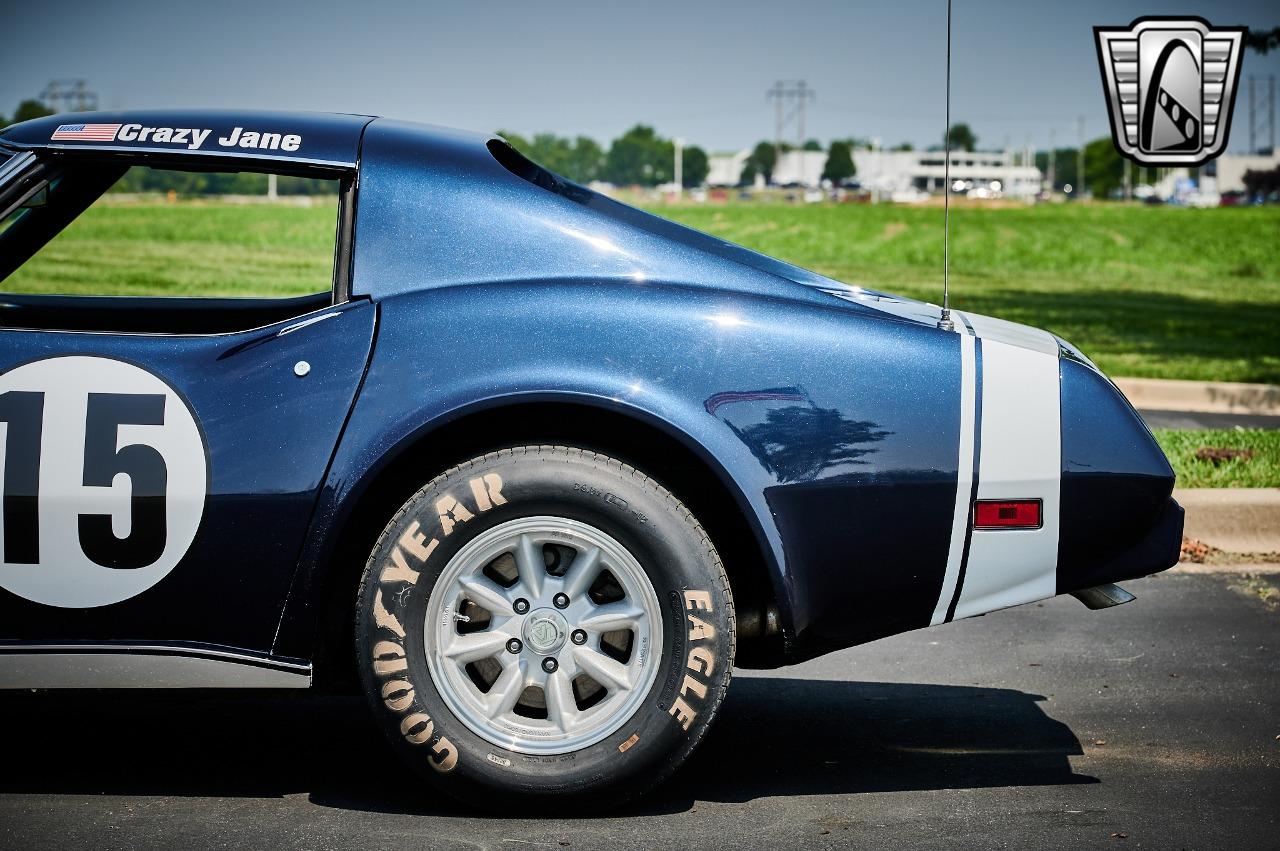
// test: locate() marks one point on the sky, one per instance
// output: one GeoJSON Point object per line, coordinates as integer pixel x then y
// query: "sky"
{"type": "Point", "coordinates": [1023, 73]}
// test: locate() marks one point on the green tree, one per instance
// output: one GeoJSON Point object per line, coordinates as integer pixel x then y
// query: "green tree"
{"type": "Point", "coordinates": [813, 145]}
{"type": "Point", "coordinates": [765, 158]}
{"type": "Point", "coordinates": [1064, 167]}
{"type": "Point", "coordinates": [586, 159]}
{"type": "Point", "coordinates": [961, 138]}
{"type": "Point", "coordinates": [551, 152]}
{"type": "Point", "coordinates": [903, 146]}
{"type": "Point", "coordinates": [639, 156]}
{"type": "Point", "coordinates": [1263, 41]}
{"type": "Point", "coordinates": [30, 109]}
{"type": "Point", "coordinates": [580, 160]}
{"type": "Point", "coordinates": [749, 172]}
{"type": "Point", "coordinates": [516, 141]}
{"type": "Point", "coordinates": [840, 164]}
{"type": "Point", "coordinates": [694, 168]}
{"type": "Point", "coordinates": [1103, 167]}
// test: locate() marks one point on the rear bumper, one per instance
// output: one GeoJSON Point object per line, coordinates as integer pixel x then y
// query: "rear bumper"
{"type": "Point", "coordinates": [1155, 551]}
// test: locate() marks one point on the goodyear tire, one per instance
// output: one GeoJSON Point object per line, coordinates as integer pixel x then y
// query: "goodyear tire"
{"type": "Point", "coordinates": [544, 625]}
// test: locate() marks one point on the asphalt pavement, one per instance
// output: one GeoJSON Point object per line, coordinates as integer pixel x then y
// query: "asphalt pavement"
{"type": "Point", "coordinates": [1155, 724]}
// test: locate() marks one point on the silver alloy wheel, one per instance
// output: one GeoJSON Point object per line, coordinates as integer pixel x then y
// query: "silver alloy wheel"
{"type": "Point", "coordinates": [553, 692]}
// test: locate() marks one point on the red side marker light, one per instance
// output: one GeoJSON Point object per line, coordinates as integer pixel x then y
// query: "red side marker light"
{"type": "Point", "coordinates": [1006, 514]}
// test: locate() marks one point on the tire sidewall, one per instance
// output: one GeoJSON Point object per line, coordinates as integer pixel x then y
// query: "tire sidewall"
{"type": "Point", "coordinates": [697, 624]}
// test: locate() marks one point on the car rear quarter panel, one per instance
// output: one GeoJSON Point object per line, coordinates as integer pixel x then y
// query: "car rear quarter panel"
{"type": "Point", "coordinates": [837, 432]}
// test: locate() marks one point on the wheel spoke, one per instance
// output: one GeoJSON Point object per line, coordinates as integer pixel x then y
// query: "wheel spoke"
{"type": "Point", "coordinates": [582, 572]}
{"type": "Point", "coordinates": [475, 646]}
{"type": "Point", "coordinates": [506, 690]}
{"type": "Point", "coordinates": [487, 596]}
{"type": "Point", "coordinates": [530, 565]}
{"type": "Point", "coordinates": [621, 615]}
{"type": "Point", "coordinates": [608, 672]}
{"type": "Point", "coordinates": [562, 709]}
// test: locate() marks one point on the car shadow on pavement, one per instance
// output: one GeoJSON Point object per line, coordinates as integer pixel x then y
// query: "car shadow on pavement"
{"type": "Point", "coordinates": [780, 736]}
{"type": "Point", "coordinates": [775, 737]}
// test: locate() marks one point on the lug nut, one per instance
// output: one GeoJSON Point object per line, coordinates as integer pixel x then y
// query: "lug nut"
{"type": "Point", "coordinates": [579, 636]}
{"type": "Point", "coordinates": [521, 606]}
{"type": "Point", "coordinates": [514, 645]}
{"type": "Point", "coordinates": [561, 601]}
{"type": "Point", "coordinates": [549, 664]}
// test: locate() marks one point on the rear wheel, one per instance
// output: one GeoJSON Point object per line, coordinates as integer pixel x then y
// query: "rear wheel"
{"type": "Point", "coordinates": [544, 624]}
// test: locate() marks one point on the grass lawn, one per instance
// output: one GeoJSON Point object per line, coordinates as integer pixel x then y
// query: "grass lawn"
{"type": "Point", "coordinates": [190, 248]}
{"type": "Point", "coordinates": [1154, 292]}
{"type": "Point", "coordinates": [1260, 471]}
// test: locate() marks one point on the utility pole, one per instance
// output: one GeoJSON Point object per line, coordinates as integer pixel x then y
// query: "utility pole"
{"type": "Point", "coordinates": [777, 94]}
{"type": "Point", "coordinates": [803, 94]}
{"type": "Point", "coordinates": [798, 92]}
{"type": "Point", "coordinates": [1053, 160]}
{"type": "Point", "coordinates": [69, 96]}
{"type": "Point", "coordinates": [1271, 113]}
{"type": "Point", "coordinates": [1253, 145]}
{"type": "Point", "coordinates": [1080, 160]}
{"type": "Point", "coordinates": [679, 168]}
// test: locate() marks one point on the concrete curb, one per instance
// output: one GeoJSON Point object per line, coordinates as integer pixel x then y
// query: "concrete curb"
{"type": "Point", "coordinates": [1237, 520]}
{"type": "Point", "coordinates": [1209, 397]}
{"type": "Point", "coordinates": [1269, 568]}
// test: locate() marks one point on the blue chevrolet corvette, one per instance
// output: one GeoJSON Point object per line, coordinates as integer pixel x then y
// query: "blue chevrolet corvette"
{"type": "Point", "coordinates": [534, 472]}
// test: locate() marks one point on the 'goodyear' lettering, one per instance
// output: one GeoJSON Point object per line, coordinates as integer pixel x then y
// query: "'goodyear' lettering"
{"type": "Point", "coordinates": [403, 566]}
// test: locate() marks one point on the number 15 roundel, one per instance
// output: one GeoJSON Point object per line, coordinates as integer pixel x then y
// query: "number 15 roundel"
{"type": "Point", "coordinates": [105, 474]}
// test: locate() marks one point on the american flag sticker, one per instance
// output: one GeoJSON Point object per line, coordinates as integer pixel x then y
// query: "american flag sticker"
{"type": "Point", "coordinates": [85, 133]}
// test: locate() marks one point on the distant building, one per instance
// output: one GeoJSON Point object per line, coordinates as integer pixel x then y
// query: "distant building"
{"type": "Point", "coordinates": [904, 171]}
{"type": "Point", "coordinates": [1228, 170]}
{"type": "Point", "coordinates": [799, 168]}
{"type": "Point", "coordinates": [726, 169]}
{"type": "Point", "coordinates": [895, 172]}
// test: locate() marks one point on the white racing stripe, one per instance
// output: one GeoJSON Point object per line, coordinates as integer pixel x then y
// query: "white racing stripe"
{"type": "Point", "coordinates": [988, 328]}
{"type": "Point", "coordinates": [964, 477]}
{"type": "Point", "coordinates": [1020, 457]}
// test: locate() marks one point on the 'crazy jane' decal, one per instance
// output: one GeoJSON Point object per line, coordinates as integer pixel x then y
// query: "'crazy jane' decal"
{"type": "Point", "coordinates": [105, 475]}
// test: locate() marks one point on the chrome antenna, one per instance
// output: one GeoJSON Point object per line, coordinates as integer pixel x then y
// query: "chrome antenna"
{"type": "Point", "coordinates": [944, 321]}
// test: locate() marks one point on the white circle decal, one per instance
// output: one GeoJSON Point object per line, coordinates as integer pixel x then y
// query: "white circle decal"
{"type": "Point", "coordinates": [104, 480]}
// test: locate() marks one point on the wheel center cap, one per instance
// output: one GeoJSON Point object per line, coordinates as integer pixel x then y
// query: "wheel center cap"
{"type": "Point", "coordinates": [545, 630]}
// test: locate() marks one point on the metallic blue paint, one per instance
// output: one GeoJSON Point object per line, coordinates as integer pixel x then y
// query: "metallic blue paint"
{"type": "Point", "coordinates": [270, 436]}
{"type": "Point", "coordinates": [1116, 486]}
